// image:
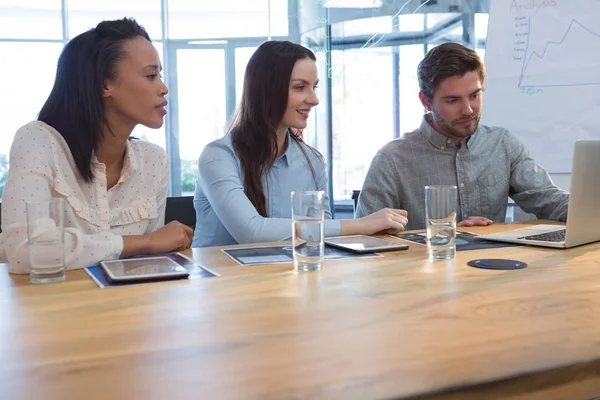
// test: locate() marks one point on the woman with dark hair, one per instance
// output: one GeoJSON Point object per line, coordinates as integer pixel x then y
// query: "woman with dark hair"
{"type": "Point", "coordinates": [79, 149]}
{"type": "Point", "coordinates": [245, 179]}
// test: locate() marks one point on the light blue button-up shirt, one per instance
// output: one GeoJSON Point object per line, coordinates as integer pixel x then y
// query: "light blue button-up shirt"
{"type": "Point", "coordinates": [224, 215]}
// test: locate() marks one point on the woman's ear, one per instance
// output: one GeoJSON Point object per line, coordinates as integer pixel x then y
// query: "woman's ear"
{"type": "Point", "coordinates": [107, 89]}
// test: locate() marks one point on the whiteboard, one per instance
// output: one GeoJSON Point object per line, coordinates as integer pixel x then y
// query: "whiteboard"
{"type": "Point", "coordinates": [543, 75]}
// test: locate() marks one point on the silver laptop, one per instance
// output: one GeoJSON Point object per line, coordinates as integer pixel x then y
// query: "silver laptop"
{"type": "Point", "coordinates": [583, 216]}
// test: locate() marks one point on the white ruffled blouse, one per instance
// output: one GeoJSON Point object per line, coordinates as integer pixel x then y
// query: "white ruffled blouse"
{"type": "Point", "coordinates": [42, 167]}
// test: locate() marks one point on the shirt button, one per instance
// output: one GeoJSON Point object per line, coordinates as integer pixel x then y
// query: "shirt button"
{"type": "Point", "coordinates": [448, 141]}
{"type": "Point", "coordinates": [462, 185]}
{"type": "Point", "coordinates": [465, 215]}
{"type": "Point", "coordinates": [457, 155]}
{"type": "Point", "coordinates": [442, 147]}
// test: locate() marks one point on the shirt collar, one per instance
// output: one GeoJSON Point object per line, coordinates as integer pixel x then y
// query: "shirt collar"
{"type": "Point", "coordinates": [292, 151]}
{"type": "Point", "coordinates": [437, 139]}
{"type": "Point", "coordinates": [130, 163]}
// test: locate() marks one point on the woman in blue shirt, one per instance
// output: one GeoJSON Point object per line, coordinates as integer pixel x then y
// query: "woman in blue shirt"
{"type": "Point", "coordinates": [245, 179]}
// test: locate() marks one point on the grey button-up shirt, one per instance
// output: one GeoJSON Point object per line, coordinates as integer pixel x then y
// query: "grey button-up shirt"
{"type": "Point", "coordinates": [488, 167]}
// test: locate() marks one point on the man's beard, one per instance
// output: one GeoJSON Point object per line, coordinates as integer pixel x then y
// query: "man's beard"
{"type": "Point", "coordinates": [449, 127]}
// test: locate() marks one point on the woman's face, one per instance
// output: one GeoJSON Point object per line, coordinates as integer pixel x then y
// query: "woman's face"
{"type": "Point", "coordinates": [302, 97]}
{"type": "Point", "coordinates": [137, 95]}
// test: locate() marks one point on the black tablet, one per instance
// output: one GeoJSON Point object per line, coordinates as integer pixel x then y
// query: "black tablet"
{"type": "Point", "coordinates": [363, 243]}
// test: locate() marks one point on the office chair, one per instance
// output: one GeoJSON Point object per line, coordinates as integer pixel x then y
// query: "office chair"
{"type": "Point", "coordinates": [181, 209]}
{"type": "Point", "coordinates": [355, 194]}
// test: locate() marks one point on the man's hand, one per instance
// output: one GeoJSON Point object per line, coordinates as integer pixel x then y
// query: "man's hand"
{"type": "Point", "coordinates": [476, 221]}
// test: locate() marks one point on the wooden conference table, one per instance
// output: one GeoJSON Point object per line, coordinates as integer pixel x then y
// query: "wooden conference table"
{"type": "Point", "coordinates": [398, 326]}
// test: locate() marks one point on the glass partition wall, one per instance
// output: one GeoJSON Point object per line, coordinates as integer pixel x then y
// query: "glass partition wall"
{"type": "Point", "coordinates": [368, 52]}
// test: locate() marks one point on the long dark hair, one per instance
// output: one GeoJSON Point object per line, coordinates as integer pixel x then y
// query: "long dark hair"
{"type": "Point", "coordinates": [263, 104]}
{"type": "Point", "coordinates": [75, 106]}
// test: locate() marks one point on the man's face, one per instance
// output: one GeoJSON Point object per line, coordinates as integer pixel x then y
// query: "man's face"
{"type": "Point", "coordinates": [456, 106]}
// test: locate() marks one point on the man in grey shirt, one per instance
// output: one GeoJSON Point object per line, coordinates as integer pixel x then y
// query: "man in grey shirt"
{"type": "Point", "coordinates": [487, 164]}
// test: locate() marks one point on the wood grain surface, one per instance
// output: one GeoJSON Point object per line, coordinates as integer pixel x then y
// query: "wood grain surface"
{"type": "Point", "coordinates": [398, 326]}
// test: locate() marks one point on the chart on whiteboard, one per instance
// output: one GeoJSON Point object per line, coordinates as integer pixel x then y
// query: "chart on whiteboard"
{"type": "Point", "coordinates": [543, 75]}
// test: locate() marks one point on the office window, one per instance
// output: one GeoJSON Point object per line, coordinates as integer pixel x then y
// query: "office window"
{"type": "Point", "coordinates": [227, 19]}
{"type": "Point", "coordinates": [411, 109]}
{"type": "Point", "coordinates": [30, 19]}
{"type": "Point", "coordinates": [205, 51]}
{"type": "Point", "coordinates": [481, 26]}
{"type": "Point", "coordinates": [438, 18]}
{"type": "Point", "coordinates": [85, 14]}
{"type": "Point", "coordinates": [411, 22]}
{"type": "Point", "coordinates": [363, 26]}
{"type": "Point", "coordinates": [201, 107]}
{"type": "Point", "coordinates": [362, 113]}
{"type": "Point", "coordinates": [28, 76]}
{"type": "Point", "coordinates": [242, 56]}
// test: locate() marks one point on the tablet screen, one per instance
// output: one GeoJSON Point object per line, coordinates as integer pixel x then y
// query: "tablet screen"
{"type": "Point", "coordinates": [151, 266]}
{"type": "Point", "coordinates": [363, 242]}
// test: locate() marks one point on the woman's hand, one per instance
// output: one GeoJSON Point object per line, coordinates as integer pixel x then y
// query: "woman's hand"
{"type": "Point", "coordinates": [171, 237]}
{"type": "Point", "coordinates": [388, 220]}
{"type": "Point", "coordinates": [174, 236]}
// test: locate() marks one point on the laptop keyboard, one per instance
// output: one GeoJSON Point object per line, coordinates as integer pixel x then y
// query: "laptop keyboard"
{"type": "Point", "coordinates": [556, 236]}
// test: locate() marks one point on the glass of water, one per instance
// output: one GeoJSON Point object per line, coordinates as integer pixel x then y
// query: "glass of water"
{"type": "Point", "coordinates": [45, 234]}
{"type": "Point", "coordinates": [440, 221]}
{"type": "Point", "coordinates": [308, 215]}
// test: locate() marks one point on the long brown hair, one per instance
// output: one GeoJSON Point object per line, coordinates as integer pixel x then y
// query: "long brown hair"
{"type": "Point", "coordinates": [263, 104]}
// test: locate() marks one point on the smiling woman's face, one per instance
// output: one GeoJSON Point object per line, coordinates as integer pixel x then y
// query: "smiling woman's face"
{"type": "Point", "coordinates": [302, 97]}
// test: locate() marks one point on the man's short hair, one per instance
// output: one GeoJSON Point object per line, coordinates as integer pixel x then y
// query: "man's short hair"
{"type": "Point", "coordinates": [445, 61]}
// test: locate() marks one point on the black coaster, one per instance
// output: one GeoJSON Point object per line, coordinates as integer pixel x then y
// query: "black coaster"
{"type": "Point", "coordinates": [496, 263]}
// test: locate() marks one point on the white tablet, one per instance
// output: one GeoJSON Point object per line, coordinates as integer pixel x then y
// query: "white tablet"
{"type": "Point", "coordinates": [142, 269]}
{"type": "Point", "coordinates": [364, 243]}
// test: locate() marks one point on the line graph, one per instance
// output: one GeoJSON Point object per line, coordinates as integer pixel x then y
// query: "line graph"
{"type": "Point", "coordinates": [570, 61]}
